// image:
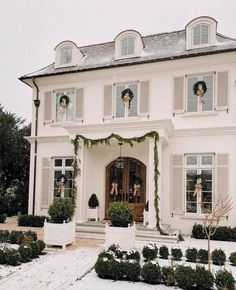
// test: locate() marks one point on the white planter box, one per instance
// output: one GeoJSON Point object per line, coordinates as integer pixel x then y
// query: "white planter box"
{"type": "Point", "coordinates": [124, 237]}
{"type": "Point", "coordinates": [145, 217]}
{"type": "Point", "coordinates": [93, 213]}
{"type": "Point", "coordinates": [59, 234]}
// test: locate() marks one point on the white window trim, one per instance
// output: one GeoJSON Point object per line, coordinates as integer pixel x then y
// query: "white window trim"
{"type": "Point", "coordinates": [204, 20]}
{"type": "Point", "coordinates": [58, 168]}
{"type": "Point", "coordinates": [199, 111]}
{"type": "Point", "coordinates": [199, 167]}
{"type": "Point", "coordinates": [126, 117]}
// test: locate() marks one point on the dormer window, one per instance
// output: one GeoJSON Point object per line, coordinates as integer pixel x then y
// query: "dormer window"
{"type": "Point", "coordinates": [128, 44]}
{"type": "Point", "coordinates": [66, 55]}
{"type": "Point", "coordinates": [201, 32]}
{"type": "Point", "coordinates": [200, 35]}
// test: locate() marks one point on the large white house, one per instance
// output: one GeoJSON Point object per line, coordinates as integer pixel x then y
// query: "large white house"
{"type": "Point", "coordinates": [179, 84]}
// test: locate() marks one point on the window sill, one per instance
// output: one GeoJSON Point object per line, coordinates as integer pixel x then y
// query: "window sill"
{"type": "Point", "coordinates": [129, 119]}
{"type": "Point", "coordinates": [200, 114]}
{"type": "Point", "coordinates": [59, 124]}
{"type": "Point", "coordinates": [193, 216]}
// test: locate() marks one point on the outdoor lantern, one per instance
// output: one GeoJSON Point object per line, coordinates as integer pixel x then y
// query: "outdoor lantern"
{"type": "Point", "coordinates": [120, 161]}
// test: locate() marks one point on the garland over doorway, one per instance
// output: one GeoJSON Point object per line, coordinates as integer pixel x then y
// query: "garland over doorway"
{"type": "Point", "coordinates": [106, 141]}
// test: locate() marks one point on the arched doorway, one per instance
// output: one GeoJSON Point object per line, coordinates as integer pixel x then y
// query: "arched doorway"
{"type": "Point", "coordinates": [127, 184]}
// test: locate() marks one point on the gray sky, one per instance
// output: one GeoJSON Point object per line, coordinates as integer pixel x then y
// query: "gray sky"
{"type": "Point", "coordinates": [30, 29]}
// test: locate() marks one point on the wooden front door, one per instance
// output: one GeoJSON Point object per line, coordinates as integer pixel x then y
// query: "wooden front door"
{"type": "Point", "coordinates": [127, 184]}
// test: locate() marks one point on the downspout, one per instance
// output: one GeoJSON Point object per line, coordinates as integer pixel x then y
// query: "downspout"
{"type": "Point", "coordinates": [36, 104]}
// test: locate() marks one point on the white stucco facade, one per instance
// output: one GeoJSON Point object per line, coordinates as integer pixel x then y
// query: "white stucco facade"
{"type": "Point", "coordinates": [210, 132]}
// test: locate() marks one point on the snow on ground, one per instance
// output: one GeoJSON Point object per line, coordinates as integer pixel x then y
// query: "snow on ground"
{"type": "Point", "coordinates": [71, 269]}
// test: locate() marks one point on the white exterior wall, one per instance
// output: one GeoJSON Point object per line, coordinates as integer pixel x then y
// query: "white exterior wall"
{"type": "Point", "coordinates": [161, 76]}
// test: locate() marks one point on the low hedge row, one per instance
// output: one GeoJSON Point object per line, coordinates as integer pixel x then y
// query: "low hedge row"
{"type": "Point", "coordinates": [222, 233]}
{"type": "Point", "coordinates": [16, 237]}
{"type": "Point", "coordinates": [31, 220]}
{"type": "Point", "coordinates": [109, 266]}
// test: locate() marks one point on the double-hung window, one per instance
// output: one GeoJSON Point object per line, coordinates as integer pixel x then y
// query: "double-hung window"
{"type": "Point", "coordinates": [196, 103]}
{"type": "Point", "coordinates": [122, 110]}
{"type": "Point", "coordinates": [62, 177]}
{"type": "Point", "coordinates": [199, 169]}
{"type": "Point", "coordinates": [201, 35]}
{"type": "Point", "coordinates": [65, 105]}
{"type": "Point", "coordinates": [66, 55]}
{"type": "Point", "coordinates": [127, 46]}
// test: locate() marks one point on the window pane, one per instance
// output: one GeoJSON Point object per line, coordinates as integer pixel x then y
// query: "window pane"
{"type": "Point", "coordinates": [196, 35]}
{"type": "Point", "coordinates": [133, 103]}
{"type": "Point", "coordinates": [66, 55]}
{"type": "Point", "coordinates": [208, 97]}
{"type": "Point", "coordinates": [191, 207]}
{"type": "Point", "coordinates": [127, 46]}
{"type": "Point", "coordinates": [192, 100]}
{"type": "Point", "coordinates": [65, 106]}
{"type": "Point", "coordinates": [58, 162]}
{"type": "Point", "coordinates": [69, 162]}
{"type": "Point", "coordinates": [191, 160]}
{"type": "Point", "coordinates": [206, 160]}
{"type": "Point", "coordinates": [204, 34]}
{"type": "Point", "coordinates": [120, 108]}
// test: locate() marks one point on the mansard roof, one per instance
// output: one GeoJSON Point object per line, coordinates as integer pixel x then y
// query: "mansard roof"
{"type": "Point", "coordinates": [157, 48]}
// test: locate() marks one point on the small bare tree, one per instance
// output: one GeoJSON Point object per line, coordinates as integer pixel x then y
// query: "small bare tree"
{"type": "Point", "coordinates": [212, 219]}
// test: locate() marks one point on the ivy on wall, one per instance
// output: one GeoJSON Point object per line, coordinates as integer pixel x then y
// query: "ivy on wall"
{"type": "Point", "coordinates": [130, 141]}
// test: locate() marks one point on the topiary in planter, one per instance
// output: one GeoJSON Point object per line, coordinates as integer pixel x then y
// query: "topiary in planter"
{"type": "Point", "coordinates": [60, 210]}
{"type": "Point", "coordinates": [151, 273]}
{"type": "Point", "coordinates": [93, 201]}
{"type": "Point", "coordinates": [232, 258]}
{"type": "Point", "coordinates": [185, 277]}
{"type": "Point", "coordinates": [224, 280]}
{"type": "Point", "coordinates": [204, 278]}
{"type": "Point", "coordinates": [150, 252]}
{"type": "Point", "coordinates": [121, 214]}
{"type": "Point", "coordinates": [163, 252]}
{"type": "Point", "coordinates": [176, 254]}
{"type": "Point", "coordinates": [168, 276]}
{"type": "Point", "coordinates": [202, 256]}
{"type": "Point", "coordinates": [218, 257]}
{"type": "Point", "coordinates": [191, 255]}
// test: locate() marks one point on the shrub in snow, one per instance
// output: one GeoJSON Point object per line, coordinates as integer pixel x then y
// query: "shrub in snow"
{"type": "Point", "coordinates": [117, 250]}
{"type": "Point", "coordinates": [31, 220]}
{"type": "Point", "coordinates": [2, 218]}
{"type": "Point", "coordinates": [25, 253]}
{"type": "Point", "coordinates": [101, 267]}
{"type": "Point", "coordinates": [191, 255]}
{"type": "Point", "coordinates": [4, 236]}
{"type": "Point", "coordinates": [163, 252]}
{"type": "Point", "coordinates": [150, 252]}
{"type": "Point", "coordinates": [232, 258]}
{"type": "Point", "coordinates": [176, 254]}
{"type": "Point", "coordinates": [107, 254]}
{"type": "Point", "coordinates": [224, 280]}
{"type": "Point", "coordinates": [35, 250]}
{"type": "Point", "coordinates": [168, 276]}
{"type": "Point", "coordinates": [204, 278]}
{"type": "Point", "coordinates": [198, 232]}
{"type": "Point", "coordinates": [218, 257]}
{"type": "Point", "coordinates": [14, 236]}
{"type": "Point", "coordinates": [121, 214]}
{"type": "Point", "coordinates": [185, 277]}
{"type": "Point", "coordinates": [41, 246]}
{"type": "Point", "coordinates": [12, 257]}
{"type": "Point", "coordinates": [117, 269]}
{"type": "Point", "coordinates": [133, 255]}
{"type": "Point", "coordinates": [2, 257]}
{"type": "Point", "coordinates": [202, 256]}
{"type": "Point", "coordinates": [26, 240]}
{"type": "Point", "coordinates": [132, 270]}
{"type": "Point", "coordinates": [151, 273]}
{"type": "Point", "coordinates": [29, 235]}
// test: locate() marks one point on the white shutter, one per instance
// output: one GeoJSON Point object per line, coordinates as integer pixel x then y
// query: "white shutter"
{"type": "Point", "coordinates": [107, 105]}
{"type": "Point", "coordinates": [222, 91]}
{"type": "Point", "coordinates": [144, 98]}
{"type": "Point", "coordinates": [45, 183]}
{"type": "Point", "coordinates": [177, 184]}
{"type": "Point", "coordinates": [178, 105]}
{"type": "Point", "coordinates": [47, 107]}
{"type": "Point", "coordinates": [79, 104]}
{"type": "Point", "coordinates": [222, 175]}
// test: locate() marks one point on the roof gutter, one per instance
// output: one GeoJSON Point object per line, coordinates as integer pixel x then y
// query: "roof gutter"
{"type": "Point", "coordinates": [36, 104]}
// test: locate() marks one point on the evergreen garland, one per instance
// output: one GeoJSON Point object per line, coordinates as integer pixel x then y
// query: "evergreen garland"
{"type": "Point", "coordinates": [106, 141]}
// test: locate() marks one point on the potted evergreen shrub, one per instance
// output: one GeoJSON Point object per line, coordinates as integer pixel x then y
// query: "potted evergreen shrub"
{"type": "Point", "coordinates": [60, 230]}
{"type": "Point", "coordinates": [93, 210]}
{"type": "Point", "coordinates": [122, 229]}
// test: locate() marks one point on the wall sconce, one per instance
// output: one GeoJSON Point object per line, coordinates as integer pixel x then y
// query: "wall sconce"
{"type": "Point", "coordinates": [172, 215]}
{"type": "Point", "coordinates": [36, 103]}
{"type": "Point", "coordinates": [227, 217]}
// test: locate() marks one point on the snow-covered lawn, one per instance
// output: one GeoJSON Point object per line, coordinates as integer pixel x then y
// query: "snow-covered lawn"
{"type": "Point", "coordinates": [72, 269]}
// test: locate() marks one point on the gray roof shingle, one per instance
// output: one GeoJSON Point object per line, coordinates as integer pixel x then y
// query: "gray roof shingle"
{"type": "Point", "coordinates": [157, 47]}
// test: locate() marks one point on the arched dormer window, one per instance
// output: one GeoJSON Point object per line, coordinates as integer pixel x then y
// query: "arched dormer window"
{"type": "Point", "coordinates": [128, 44]}
{"type": "Point", "coordinates": [67, 54]}
{"type": "Point", "coordinates": [201, 32]}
